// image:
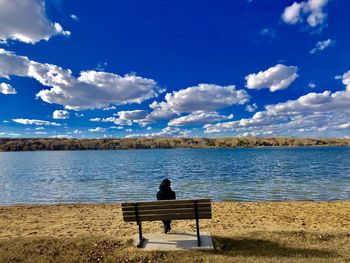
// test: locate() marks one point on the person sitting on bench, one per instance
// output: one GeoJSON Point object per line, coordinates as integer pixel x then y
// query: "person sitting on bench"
{"type": "Point", "coordinates": [166, 193]}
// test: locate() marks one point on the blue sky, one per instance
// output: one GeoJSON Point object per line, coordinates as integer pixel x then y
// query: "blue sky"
{"type": "Point", "coordinates": [93, 69]}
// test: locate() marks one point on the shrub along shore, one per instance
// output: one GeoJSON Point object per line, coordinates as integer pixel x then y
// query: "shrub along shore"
{"type": "Point", "coordinates": [37, 144]}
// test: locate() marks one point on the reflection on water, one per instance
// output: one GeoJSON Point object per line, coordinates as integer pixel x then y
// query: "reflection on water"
{"type": "Point", "coordinates": [221, 174]}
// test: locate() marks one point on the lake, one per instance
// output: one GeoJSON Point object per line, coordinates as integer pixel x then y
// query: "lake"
{"type": "Point", "coordinates": [49, 177]}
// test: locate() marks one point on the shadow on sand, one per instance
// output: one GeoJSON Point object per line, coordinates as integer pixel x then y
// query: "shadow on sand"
{"type": "Point", "coordinates": [264, 248]}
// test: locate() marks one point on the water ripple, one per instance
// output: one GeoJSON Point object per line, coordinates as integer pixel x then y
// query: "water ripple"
{"type": "Point", "coordinates": [221, 174]}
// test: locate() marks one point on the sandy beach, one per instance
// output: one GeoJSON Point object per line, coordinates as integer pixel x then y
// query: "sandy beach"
{"type": "Point", "coordinates": [302, 231]}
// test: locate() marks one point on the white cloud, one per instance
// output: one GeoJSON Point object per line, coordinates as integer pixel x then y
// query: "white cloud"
{"type": "Point", "coordinates": [275, 78]}
{"type": "Point", "coordinates": [199, 118]}
{"type": "Point", "coordinates": [13, 134]}
{"type": "Point", "coordinates": [346, 80]}
{"type": "Point", "coordinates": [251, 108]}
{"type": "Point", "coordinates": [77, 132]}
{"type": "Point", "coordinates": [310, 114]}
{"type": "Point", "coordinates": [26, 21]}
{"type": "Point", "coordinates": [35, 122]}
{"type": "Point", "coordinates": [40, 133]}
{"type": "Point", "coordinates": [109, 108]}
{"type": "Point", "coordinates": [61, 136]}
{"type": "Point", "coordinates": [161, 111]}
{"type": "Point", "coordinates": [74, 17]}
{"type": "Point", "coordinates": [9, 134]}
{"type": "Point", "coordinates": [39, 128]}
{"type": "Point", "coordinates": [312, 85]}
{"type": "Point", "coordinates": [311, 10]}
{"type": "Point", "coordinates": [97, 129]}
{"type": "Point", "coordinates": [117, 127]}
{"type": "Point", "coordinates": [7, 89]}
{"type": "Point", "coordinates": [126, 118]}
{"type": "Point", "coordinates": [90, 90]}
{"type": "Point", "coordinates": [113, 119]}
{"type": "Point", "coordinates": [166, 132]}
{"type": "Point", "coordinates": [60, 114]}
{"type": "Point", "coordinates": [321, 45]}
{"type": "Point", "coordinates": [200, 101]}
{"type": "Point", "coordinates": [133, 115]}
{"type": "Point", "coordinates": [205, 97]}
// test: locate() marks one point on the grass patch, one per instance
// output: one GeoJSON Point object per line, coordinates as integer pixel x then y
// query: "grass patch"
{"type": "Point", "coordinates": [253, 247]}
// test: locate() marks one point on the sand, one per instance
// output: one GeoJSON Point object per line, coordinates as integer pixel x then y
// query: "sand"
{"type": "Point", "coordinates": [302, 231]}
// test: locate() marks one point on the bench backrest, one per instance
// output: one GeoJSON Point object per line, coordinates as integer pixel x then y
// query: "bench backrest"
{"type": "Point", "coordinates": [167, 210]}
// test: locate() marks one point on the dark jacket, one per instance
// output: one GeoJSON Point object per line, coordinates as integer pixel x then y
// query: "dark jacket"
{"type": "Point", "coordinates": [165, 192]}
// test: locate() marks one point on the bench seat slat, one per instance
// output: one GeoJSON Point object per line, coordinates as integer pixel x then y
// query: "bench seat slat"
{"type": "Point", "coordinates": [180, 216]}
{"type": "Point", "coordinates": [166, 211]}
{"type": "Point", "coordinates": [165, 202]}
{"type": "Point", "coordinates": [165, 206]}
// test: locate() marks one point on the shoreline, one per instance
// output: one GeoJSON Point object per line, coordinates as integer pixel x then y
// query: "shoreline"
{"type": "Point", "coordinates": [131, 201]}
{"type": "Point", "coordinates": [186, 148]}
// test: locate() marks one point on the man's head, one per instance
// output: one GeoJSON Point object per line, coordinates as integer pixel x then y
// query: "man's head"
{"type": "Point", "coordinates": [166, 182]}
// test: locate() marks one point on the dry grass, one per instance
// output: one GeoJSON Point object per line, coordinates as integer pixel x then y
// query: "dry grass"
{"type": "Point", "coordinates": [242, 232]}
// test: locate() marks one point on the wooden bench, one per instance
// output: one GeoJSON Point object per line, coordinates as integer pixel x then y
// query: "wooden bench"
{"type": "Point", "coordinates": [166, 210]}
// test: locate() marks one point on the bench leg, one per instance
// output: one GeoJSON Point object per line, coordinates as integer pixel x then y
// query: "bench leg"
{"type": "Point", "coordinates": [197, 223]}
{"type": "Point", "coordinates": [141, 239]}
{"type": "Point", "coordinates": [198, 235]}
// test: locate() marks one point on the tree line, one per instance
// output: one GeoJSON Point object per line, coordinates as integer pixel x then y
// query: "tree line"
{"type": "Point", "coordinates": [48, 144]}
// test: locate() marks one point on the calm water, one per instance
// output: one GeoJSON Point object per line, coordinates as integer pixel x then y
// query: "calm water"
{"type": "Point", "coordinates": [222, 174]}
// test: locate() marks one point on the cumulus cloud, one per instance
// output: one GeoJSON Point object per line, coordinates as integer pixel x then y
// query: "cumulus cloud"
{"type": "Point", "coordinates": [90, 90]}
{"type": "Point", "coordinates": [60, 114]}
{"type": "Point", "coordinates": [35, 122]}
{"type": "Point", "coordinates": [321, 45]}
{"type": "Point", "coordinates": [311, 10]}
{"type": "Point", "coordinates": [26, 21]}
{"type": "Point", "coordinates": [275, 78]}
{"type": "Point", "coordinates": [201, 103]}
{"type": "Point", "coordinates": [166, 132]}
{"type": "Point", "coordinates": [134, 115]}
{"type": "Point", "coordinates": [205, 97]}
{"type": "Point", "coordinates": [199, 118]}
{"type": "Point", "coordinates": [346, 80]}
{"type": "Point", "coordinates": [251, 108]}
{"type": "Point", "coordinates": [312, 113]}
{"type": "Point", "coordinates": [161, 111]}
{"type": "Point", "coordinates": [126, 118]}
{"type": "Point", "coordinates": [7, 89]}
{"type": "Point", "coordinates": [97, 129]}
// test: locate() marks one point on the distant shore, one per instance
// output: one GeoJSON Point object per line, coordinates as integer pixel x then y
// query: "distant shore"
{"type": "Point", "coordinates": [47, 144]}
{"type": "Point", "coordinates": [297, 231]}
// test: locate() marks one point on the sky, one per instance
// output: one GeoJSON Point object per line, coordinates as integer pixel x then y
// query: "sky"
{"type": "Point", "coordinates": [155, 68]}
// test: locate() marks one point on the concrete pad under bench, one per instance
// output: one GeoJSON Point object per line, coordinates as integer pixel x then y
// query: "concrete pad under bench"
{"type": "Point", "coordinates": [175, 241]}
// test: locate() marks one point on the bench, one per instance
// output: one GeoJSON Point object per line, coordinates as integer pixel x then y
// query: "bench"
{"type": "Point", "coordinates": [166, 210]}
